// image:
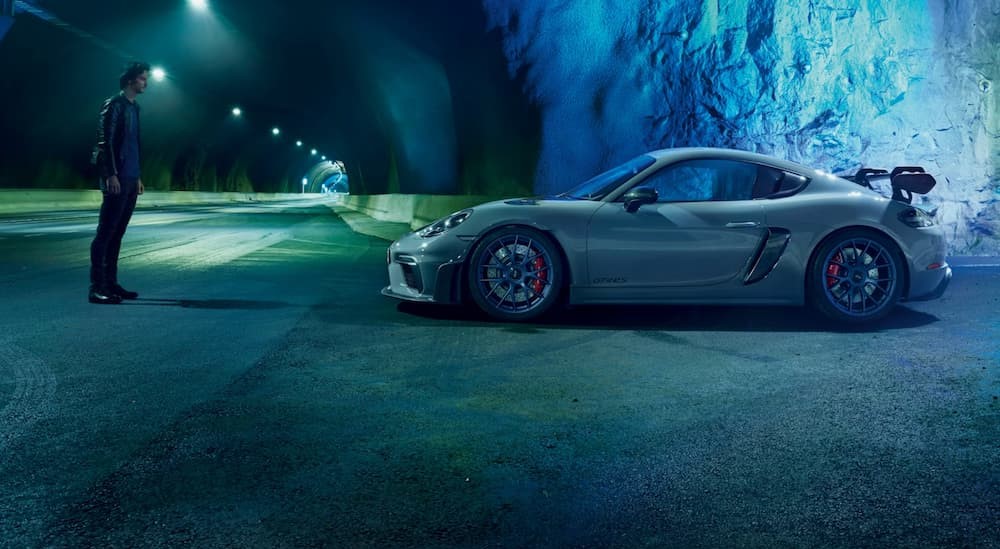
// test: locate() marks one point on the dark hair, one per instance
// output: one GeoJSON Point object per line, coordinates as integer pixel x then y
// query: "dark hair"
{"type": "Point", "coordinates": [132, 71]}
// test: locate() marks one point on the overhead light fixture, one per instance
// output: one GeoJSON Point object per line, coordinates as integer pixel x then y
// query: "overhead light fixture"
{"type": "Point", "coordinates": [237, 111]}
{"type": "Point", "coordinates": [159, 74]}
{"type": "Point", "coordinates": [275, 131]}
{"type": "Point", "coordinates": [200, 5]}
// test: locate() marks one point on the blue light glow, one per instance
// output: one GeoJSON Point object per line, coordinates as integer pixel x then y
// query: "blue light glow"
{"type": "Point", "coordinates": [414, 92]}
{"type": "Point", "coordinates": [858, 82]}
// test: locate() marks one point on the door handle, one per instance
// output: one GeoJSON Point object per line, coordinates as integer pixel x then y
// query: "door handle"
{"type": "Point", "coordinates": [742, 224]}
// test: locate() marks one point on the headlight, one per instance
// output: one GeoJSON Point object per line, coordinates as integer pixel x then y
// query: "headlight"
{"type": "Point", "coordinates": [916, 218]}
{"type": "Point", "coordinates": [445, 223]}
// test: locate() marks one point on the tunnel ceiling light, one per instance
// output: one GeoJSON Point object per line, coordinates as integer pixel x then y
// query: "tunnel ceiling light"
{"type": "Point", "coordinates": [313, 152]}
{"type": "Point", "coordinates": [275, 131]}
{"type": "Point", "coordinates": [159, 74]}
{"type": "Point", "coordinates": [298, 143]}
{"type": "Point", "coordinates": [237, 111]}
{"type": "Point", "coordinates": [199, 5]}
{"type": "Point", "coordinates": [324, 157]}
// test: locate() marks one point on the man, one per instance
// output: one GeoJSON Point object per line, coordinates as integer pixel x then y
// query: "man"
{"type": "Point", "coordinates": [117, 159]}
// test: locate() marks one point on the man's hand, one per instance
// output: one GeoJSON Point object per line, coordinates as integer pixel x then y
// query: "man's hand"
{"type": "Point", "coordinates": [114, 186]}
{"type": "Point", "coordinates": [141, 188]}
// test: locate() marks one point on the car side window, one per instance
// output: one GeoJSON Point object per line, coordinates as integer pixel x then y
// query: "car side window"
{"type": "Point", "coordinates": [774, 183]}
{"type": "Point", "coordinates": [768, 182]}
{"type": "Point", "coordinates": [703, 180]}
{"type": "Point", "coordinates": [791, 183]}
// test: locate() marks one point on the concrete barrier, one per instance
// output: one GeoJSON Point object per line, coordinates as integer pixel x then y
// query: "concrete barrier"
{"type": "Point", "coordinates": [14, 201]}
{"type": "Point", "coordinates": [416, 209]}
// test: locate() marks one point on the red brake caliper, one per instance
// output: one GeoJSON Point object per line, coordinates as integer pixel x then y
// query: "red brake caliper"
{"type": "Point", "coordinates": [543, 274]}
{"type": "Point", "coordinates": [833, 270]}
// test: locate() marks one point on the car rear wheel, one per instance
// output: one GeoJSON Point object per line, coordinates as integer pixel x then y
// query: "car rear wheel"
{"type": "Point", "coordinates": [515, 273]}
{"type": "Point", "coordinates": [856, 277]}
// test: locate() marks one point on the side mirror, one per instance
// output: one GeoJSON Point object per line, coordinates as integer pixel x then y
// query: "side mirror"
{"type": "Point", "coordinates": [639, 196]}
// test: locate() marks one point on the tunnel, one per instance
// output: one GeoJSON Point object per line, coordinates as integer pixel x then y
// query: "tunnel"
{"type": "Point", "coordinates": [512, 97]}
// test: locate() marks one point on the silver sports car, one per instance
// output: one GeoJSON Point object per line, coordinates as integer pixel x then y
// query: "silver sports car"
{"type": "Point", "coordinates": [706, 226]}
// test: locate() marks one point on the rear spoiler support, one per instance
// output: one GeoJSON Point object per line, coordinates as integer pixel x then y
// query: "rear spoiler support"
{"type": "Point", "coordinates": [905, 181]}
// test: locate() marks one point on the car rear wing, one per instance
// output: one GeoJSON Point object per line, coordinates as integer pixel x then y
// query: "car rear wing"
{"type": "Point", "coordinates": [905, 180]}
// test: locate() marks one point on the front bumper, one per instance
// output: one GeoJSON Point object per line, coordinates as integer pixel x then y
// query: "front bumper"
{"type": "Point", "coordinates": [418, 298]}
{"type": "Point", "coordinates": [421, 277]}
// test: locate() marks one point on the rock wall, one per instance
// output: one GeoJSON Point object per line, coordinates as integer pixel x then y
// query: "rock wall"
{"type": "Point", "coordinates": [836, 85]}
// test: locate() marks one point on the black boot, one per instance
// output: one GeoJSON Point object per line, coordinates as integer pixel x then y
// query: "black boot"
{"type": "Point", "coordinates": [103, 296]}
{"type": "Point", "coordinates": [123, 293]}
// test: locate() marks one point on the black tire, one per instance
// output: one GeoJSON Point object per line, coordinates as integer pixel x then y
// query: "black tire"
{"type": "Point", "coordinates": [856, 276]}
{"type": "Point", "coordinates": [515, 273]}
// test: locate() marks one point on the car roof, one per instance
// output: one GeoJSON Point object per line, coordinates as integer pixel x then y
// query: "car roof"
{"type": "Point", "coordinates": [668, 156]}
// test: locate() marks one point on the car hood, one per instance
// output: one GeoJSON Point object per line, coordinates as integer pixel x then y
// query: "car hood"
{"type": "Point", "coordinates": [535, 200]}
{"type": "Point", "coordinates": [525, 202]}
{"type": "Point", "coordinates": [537, 211]}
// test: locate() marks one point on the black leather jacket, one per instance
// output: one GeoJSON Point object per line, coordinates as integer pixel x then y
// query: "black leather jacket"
{"type": "Point", "coordinates": [109, 153]}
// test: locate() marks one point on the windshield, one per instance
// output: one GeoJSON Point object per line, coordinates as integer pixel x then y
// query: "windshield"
{"type": "Point", "coordinates": [598, 186]}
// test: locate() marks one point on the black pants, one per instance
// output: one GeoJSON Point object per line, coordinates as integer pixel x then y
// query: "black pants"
{"type": "Point", "coordinates": [116, 211]}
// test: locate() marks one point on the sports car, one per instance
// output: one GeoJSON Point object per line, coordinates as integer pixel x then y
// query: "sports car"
{"type": "Point", "coordinates": [687, 226]}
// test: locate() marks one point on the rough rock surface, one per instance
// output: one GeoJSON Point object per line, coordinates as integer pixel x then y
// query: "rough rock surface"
{"type": "Point", "coordinates": [836, 85]}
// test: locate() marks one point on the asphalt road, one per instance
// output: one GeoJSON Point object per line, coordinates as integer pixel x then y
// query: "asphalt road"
{"type": "Point", "coordinates": [262, 393]}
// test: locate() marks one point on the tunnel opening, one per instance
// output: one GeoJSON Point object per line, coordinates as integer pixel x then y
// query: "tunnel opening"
{"type": "Point", "coordinates": [329, 176]}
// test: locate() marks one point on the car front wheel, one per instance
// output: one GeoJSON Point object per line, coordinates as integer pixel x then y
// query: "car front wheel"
{"type": "Point", "coordinates": [856, 277]}
{"type": "Point", "coordinates": [515, 273]}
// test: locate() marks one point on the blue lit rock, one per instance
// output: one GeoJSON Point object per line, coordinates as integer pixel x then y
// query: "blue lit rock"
{"type": "Point", "coordinates": [836, 85]}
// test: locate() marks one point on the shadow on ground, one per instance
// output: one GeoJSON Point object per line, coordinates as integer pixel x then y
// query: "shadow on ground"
{"type": "Point", "coordinates": [673, 318]}
{"type": "Point", "coordinates": [245, 304]}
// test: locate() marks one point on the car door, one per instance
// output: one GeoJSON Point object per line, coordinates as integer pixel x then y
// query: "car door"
{"type": "Point", "coordinates": [704, 229]}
